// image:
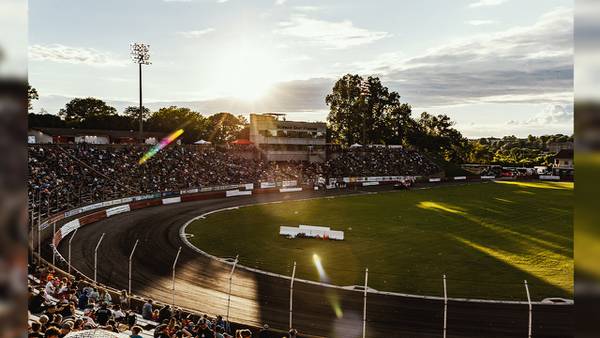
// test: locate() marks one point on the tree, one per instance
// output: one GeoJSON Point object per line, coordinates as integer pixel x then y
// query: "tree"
{"type": "Point", "coordinates": [345, 110]}
{"type": "Point", "coordinates": [45, 120]}
{"type": "Point", "coordinates": [435, 135]}
{"type": "Point", "coordinates": [171, 118]}
{"type": "Point", "coordinates": [32, 94]}
{"type": "Point", "coordinates": [224, 127]}
{"type": "Point", "coordinates": [78, 111]}
{"type": "Point", "coordinates": [366, 111]}
{"type": "Point", "coordinates": [401, 121]}
{"type": "Point", "coordinates": [134, 113]}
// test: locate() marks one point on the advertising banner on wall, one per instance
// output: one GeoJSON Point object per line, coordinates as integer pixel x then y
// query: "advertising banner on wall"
{"type": "Point", "coordinates": [291, 183]}
{"type": "Point", "coordinates": [267, 185]}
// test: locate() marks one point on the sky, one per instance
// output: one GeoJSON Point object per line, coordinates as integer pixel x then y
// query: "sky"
{"type": "Point", "coordinates": [496, 67]}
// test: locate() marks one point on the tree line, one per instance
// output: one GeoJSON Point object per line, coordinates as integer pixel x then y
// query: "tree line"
{"type": "Point", "coordinates": [361, 110]}
{"type": "Point", "coordinates": [92, 113]}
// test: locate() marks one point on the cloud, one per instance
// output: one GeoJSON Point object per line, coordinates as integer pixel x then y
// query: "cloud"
{"type": "Point", "coordinates": [328, 34]}
{"type": "Point", "coordinates": [75, 55]}
{"type": "Point", "coordinates": [177, 0]}
{"type": "Point", "coordinates": [307, 8]}
{"type": "Point", "coordinates": [486, 3]}
{"type": "Point", "coordinates": [222, 1]}
{"type": "Point", "coordinates": [553, 114]}
{"type": "Point", "coordinates": [532, 64]}
{"type": "Point", "coordinates": [291, 96]}
{"type": "Point", "coordinates": [480, 22]}
{"type": "Point", "coordinates": [280, 2]}
{"type": "Point", "coordinates": [195, 33]}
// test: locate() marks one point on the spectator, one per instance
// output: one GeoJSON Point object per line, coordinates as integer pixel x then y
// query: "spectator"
{"type": "Point", "coordinates": [52, 332]}
{"type": "Point", "coordinates": [164, 313]}
{"type": "Point", "coordinates": [35, 331]}
{"type": "Point", "coordinates": [147, 310]}
{"type": "Point", "coordinates": [124, 299]}
{"type": "Point", "coordinates": [104, 296]}
{"type": "Point", "coordinates": [264, 332]}
{"type": "Point", "coordinates": [135, 332]}
{"type": "Point", "coordinates": [219, 332]}
{"type": "Point", "coordinates": [244, 333]}
{"type": "Point", "coordinates": [65, 329]}
{"type": "Point", "coordinates": [103, 314]}
{"type": "Point", "coordinates": [205, 331]}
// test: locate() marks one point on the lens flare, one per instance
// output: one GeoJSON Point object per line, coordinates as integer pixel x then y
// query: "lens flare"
{"type": "Point", "coordinates": [163, 143]}
{"type": "Point", "coordinates": [322, 274]}
{"type": "Point", "coordinates": [330, 294]}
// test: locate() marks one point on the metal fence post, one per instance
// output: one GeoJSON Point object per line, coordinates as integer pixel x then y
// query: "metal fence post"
{"type": "Point", "coordinates": [32, 223]}
{"type": "Point", "coordinates": [229, 292]}
{"type": "Point", "coordinates": [39, 229]}
{"type": "Point", "coordinates": [71, 239]}
{"type": "Point", "coordinates": [292, 292]}
{"type": "Point", "coordinates": [364, 328]}
{"type": "Point", "coordinates": [130, 258]}
{"type": "Point", "coordinates": [175, 263]}
{"type": "Point", "coordinates": [530, 309]}
{"type": "Point", "coordinates": [39, 240]}
{"type": "Point", "coordinates": [96, 256]}
{"type": "Point", "coordinates": [445, 306]}
{"type": "Point", "coordinates": [53, 248]}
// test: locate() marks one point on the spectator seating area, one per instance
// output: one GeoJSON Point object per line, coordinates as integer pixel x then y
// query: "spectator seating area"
{"type": "Point", "coordinates": [62, 177]}
{"type": "Point", "coordinates": [62, 305]}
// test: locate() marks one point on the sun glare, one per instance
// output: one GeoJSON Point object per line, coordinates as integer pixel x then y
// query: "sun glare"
{"type": "Point", "coordinates": [248, 71]}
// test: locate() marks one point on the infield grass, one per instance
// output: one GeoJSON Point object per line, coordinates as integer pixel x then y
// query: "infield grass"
{"type": "Point", "coordinates": [487, 238]}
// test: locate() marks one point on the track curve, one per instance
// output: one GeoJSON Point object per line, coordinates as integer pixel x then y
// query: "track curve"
{"type": "Point", "coordinates": [202, 284]}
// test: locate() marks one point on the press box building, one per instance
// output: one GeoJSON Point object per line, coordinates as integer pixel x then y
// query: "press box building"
{"type": "Point", "coordinates": [281, 140]}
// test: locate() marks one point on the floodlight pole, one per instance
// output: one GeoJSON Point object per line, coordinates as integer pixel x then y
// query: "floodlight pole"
{"type": "Point", "coordinates": [364, 328]}
{"type": "Point", "coordinates": [130, 259]}
{"type": "Point", "coordinates": [445, 306]}
{"type": "Point", "coordinates": [174, 264]}
{"type": "Point", "coordinates": [70, 240]}
{"type": "Point", "coordinates": [229, 292]}
{"type": "Point", "coordinates": [292, 292]}
{"type": "Point", "coordinates": [96, 256]}
{"type": "Point", "coordinates": [530, 310]}
{"type": "Point", "coordinates": [141, 112]}
{"type": "Point", "coordinates": [140, 54]}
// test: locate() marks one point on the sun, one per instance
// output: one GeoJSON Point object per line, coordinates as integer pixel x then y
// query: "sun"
{"type": "Point", "coordinates": [248, 72]}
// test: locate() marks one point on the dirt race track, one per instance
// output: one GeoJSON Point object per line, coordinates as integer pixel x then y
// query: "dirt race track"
{"type": "Point", "coordinates": [202, 284]}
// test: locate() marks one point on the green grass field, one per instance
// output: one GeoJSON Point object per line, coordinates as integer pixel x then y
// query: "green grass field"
{"type": "Point", "coordinates": [487, 238]}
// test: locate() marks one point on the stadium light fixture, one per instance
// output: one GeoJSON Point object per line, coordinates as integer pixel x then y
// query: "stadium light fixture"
{"type": "Point", "coordinates": [140, 54]}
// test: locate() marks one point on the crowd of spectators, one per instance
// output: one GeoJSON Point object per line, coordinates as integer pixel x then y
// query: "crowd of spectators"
{"type": "Point", "coordinates": [67, 176]}
{"type": "Point", "coordinates": [62, 305]}
{"type": "Point", "coordinates": [378, 161]}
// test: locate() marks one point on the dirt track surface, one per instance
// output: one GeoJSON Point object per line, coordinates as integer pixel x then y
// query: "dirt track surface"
{"type": "Point", "coordinates": [202, 284]}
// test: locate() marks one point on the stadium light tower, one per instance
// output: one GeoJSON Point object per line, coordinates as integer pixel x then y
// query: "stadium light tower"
{"type": "Point", "coordinates": [140, 54]}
